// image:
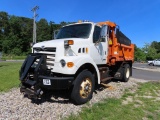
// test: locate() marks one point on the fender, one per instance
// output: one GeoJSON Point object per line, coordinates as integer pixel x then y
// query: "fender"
{"type": "Point", "coordinates": [85, 60]}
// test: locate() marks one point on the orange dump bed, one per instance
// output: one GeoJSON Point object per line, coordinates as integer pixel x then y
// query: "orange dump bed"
{"type": "Point", "coordinates": [117, 50]}
{"type": "Point", "coordinates": [120, 52]}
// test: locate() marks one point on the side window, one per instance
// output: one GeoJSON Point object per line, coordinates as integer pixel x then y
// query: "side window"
{"type": "Point", "coordinates": [96, 34]}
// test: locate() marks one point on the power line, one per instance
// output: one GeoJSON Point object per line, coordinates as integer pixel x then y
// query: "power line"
{"type": "Point", "coordinates": [34, 23]}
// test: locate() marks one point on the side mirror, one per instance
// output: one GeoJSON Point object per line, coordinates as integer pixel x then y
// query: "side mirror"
{"type": "Point", "coordinates": [31, 44]}
{"type": "Point", "coordinates": [55, 34]}
{"type": "Point", "coordinates": [103, 32]}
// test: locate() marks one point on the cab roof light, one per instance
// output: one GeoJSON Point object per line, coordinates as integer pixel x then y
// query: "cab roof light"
{"type": "Point", "coordinates": [85, 20]}
{"type": "Point", "coordinates": [79, 21]}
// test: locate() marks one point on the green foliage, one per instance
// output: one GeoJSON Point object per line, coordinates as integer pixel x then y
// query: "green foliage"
{"type": "Point", "coordinates": [43, 30]}
{"type": "Point", "coordinates": [148, 52]}
{"type": "Point", "coordinates": [13, 57]}
{"type": "Point", "coordinates": [9, 75]}
{"type": "Point", "coordinates": [156, 45]}
{"type": "Point", "coordinates": [4, 27]}
{"type": "Point", "coordinates": [139, 55]}
{"type": "Point", "coordinates": [19, 36]}
{"type": "Point", "coordinates": [151, 50]}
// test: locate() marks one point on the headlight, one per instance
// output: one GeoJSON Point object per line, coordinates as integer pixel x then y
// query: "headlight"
{"type": "Point", "coordinates": [68, 51]}
{"type": "Point", "coordinates": [36, 50]}
{"type": "Point", "coordinates": [63, 62]}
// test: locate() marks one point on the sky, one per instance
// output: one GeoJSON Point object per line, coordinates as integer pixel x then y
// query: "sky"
{"type": "Point", "coordinates": [139, 20]}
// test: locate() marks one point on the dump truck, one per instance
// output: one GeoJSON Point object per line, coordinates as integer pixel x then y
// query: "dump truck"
{"type": "Point", "coordinates": [82, 55]}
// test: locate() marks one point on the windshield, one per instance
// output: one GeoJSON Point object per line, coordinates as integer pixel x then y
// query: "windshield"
{"type": "Point", "coordinates": [74, 31]}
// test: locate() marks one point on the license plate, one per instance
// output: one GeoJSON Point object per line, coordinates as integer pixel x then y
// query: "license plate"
{"type": "Point", "coordinates": [46, 81]}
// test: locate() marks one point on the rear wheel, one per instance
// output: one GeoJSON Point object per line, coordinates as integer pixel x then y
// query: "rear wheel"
{"type": "Point", "coordinates": [126, 73]}
{"type": "Point", "coordinates": [83, 87]}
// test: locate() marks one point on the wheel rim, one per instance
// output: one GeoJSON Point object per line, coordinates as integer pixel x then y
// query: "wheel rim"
{"type": "Point", "coordinates": [127, 73]}
{"type": "Point", "coordinates": [85, 88]}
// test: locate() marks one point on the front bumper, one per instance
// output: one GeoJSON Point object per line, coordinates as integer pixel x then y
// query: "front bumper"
{"type": "Point", "coordinates": [55, 82]}
{"type": "Point", "coordinates": [35, 90]}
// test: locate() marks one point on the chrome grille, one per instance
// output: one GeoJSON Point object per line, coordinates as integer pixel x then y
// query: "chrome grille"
{"type": "Point", "coordinates": [51, 54]}
{"type": "Point", "coordinates": [48, 49]}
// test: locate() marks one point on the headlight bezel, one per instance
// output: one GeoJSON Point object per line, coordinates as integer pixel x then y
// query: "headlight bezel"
{"type": "Point", "coordinates": [63, 63]}
{"type": "Point", "coordinates": [68, 42]}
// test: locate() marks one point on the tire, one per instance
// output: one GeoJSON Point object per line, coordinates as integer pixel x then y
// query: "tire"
{"type": "Point", "coordinates": [151, 64]}
{"type": "Point", "coordinates": [83, 88]}
{"type": "Point", "coordinates": [126, 73]}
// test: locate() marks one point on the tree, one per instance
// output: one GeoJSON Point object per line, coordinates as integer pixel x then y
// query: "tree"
{"type": "Point", "coordinates": [43, 30]}
{"type": "Point", "coordinates": [139, 55]}
{"type": "Point", "coordinates": [53, 27]}
{"type": "Point", "coordinates": [156, 45]}
{"type": "Point", "coordinates": [16, 34]}
{"type": "Point", "coordinates": [150, 52]}
{"type": "Point", "coordinates": [63, 23]}
{"type": "Point", "coordinates": [4, 27]}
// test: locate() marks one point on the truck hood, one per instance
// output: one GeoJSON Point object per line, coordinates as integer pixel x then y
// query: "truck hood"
{"type": "Point", "coordinates": [49, 43]}
{"type": "Point", "coordinates": [56, 42]}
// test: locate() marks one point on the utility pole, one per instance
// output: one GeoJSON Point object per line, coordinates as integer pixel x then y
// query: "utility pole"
{"type": "Point", "coordinates": [34, 23]}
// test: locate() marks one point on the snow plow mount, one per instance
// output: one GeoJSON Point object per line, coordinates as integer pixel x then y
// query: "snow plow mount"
{"type": "Point", "coordinates": [33, 66]}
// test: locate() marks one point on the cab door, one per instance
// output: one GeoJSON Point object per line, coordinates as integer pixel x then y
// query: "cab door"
{"type": "Point", "coordinates": [104, 36]}
{"type": "Point", "coordinates": [100, 45]}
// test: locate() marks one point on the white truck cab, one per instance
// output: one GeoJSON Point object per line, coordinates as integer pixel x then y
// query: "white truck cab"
{"type": "Point", "coordinates": [75, 45]}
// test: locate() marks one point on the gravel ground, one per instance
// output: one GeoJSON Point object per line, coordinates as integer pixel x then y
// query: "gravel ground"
{"type": "Point", "coordinates": [14, 106]}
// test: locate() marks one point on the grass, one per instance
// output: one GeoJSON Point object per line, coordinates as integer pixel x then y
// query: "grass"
{"type": "Point", "coordinates": [9, 75]}
{"type": "Point", "coordinates": [143, 104]}
{"type": "Point", "coordinates": [13, 57]}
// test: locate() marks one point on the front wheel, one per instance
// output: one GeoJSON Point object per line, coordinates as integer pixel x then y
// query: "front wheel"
{"type": "Point", "coordinates": [83, 87]}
